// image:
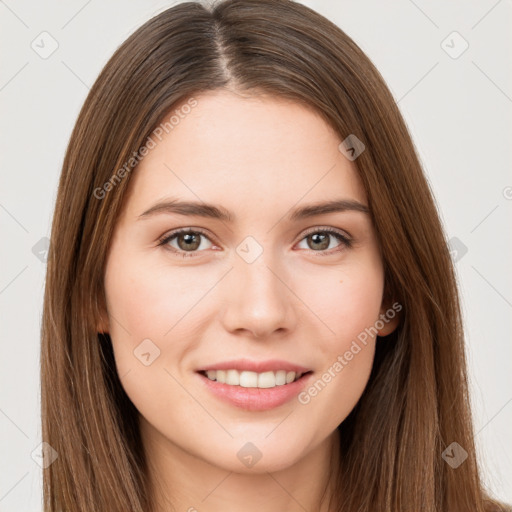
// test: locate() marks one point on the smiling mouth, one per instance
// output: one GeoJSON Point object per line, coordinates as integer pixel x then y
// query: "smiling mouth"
{"type": "Point", "coordinates": [248, 379]}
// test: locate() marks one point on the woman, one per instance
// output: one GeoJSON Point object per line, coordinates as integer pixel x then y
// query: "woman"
{"type": "Point", "coordinates": [296, 342]}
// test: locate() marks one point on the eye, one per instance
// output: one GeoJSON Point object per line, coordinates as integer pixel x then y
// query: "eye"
{"type": "Point", "coordinates": [321, 239]}
{"type": "Point", "coordinates": [188, 240]}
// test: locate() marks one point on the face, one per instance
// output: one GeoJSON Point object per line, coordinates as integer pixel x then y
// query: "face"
{"type": "Point", "coordinates": [255, 285]}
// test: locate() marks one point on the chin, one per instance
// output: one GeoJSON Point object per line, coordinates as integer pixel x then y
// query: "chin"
{"type": "Point", "coordinates": [258, 456]}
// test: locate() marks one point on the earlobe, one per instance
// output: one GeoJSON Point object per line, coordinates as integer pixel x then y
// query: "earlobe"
{"type": "Point", "coordinates": [389, 327]}
{"type": "Point", "coordinates": [102, 326]}
{"type": "Point", "coordinates": [389, 319]}
{"type": "Point", "coordinates": [101, 315]}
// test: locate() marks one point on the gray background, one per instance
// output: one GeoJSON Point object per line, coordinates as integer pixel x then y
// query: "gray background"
{"type": "Point", "coordinates": [458, 108]}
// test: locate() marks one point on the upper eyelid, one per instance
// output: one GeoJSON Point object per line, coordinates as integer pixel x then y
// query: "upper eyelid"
{"type": "Point", "coordinates": [179, 231]}
{"type": "Point", "coordinates": [327, 228]}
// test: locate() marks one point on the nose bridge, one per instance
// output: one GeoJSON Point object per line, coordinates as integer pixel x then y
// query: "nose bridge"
{"type": "Point", "coordinates": [259, 300]}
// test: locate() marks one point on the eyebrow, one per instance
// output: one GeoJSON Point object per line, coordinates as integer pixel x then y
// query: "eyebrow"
{"type": "Point", "coordinates": [201, 209]}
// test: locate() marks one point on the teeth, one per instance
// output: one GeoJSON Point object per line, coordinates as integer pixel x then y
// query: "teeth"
{"type": "Point", "coordinates": [253, 379]}
{"type": "Point", "coordinates": [232, 378]}
{"type": "Point", "coordinates": [280, 378]}
{"type": "Point", "coordinates": [248, 379]}
{"type": "Point", "coordinates": [267, 380]}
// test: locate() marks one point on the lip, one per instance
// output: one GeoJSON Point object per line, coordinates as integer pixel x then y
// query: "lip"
{"type": "Point", "coordinates": [270, 365]}
{"type": "Point", "coordinates": [255, 399]}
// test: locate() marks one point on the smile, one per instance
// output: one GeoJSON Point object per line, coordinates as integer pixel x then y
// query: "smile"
{"type": "Point", "coordinates": [255, 391]}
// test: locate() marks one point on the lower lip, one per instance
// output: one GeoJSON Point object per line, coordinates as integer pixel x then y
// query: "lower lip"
{"type": "Point", "coordinates": [256, 399]}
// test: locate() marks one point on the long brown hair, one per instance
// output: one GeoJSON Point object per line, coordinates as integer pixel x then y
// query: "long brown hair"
{"type": "Point", "coordinates": [416, 401]}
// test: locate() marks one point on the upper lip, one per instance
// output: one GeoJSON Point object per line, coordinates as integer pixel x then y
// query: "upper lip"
{"type": "Point", "coordinates": [256, 366]}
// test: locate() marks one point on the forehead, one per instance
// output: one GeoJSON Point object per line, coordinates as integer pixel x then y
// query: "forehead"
{"type": "Point", "coordinates": [247, 153]}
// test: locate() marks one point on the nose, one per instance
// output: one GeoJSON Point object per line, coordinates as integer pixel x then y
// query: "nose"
{"type": "Point", "coordinates": [258, 300]}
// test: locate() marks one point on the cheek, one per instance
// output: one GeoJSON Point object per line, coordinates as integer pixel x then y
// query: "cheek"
{"type": "Point", "coordinates": [149, 298]}
{"type": "Point", "coordinates": [348, 302]}
{"type": "Point", "coordinates": [147, 311]}
{"type": "Point", "coordinates": [345, 299]}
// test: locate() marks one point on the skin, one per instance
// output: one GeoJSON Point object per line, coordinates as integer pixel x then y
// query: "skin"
{"type": "Point", "coordinates": [258, 157]}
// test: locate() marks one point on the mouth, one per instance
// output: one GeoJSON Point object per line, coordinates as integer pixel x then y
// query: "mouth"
{"type": "Point", "coordinates": [254, 391]}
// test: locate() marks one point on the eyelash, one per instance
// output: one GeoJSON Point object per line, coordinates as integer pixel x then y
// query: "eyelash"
{"type": "Point", "coordinates": [346, 243]}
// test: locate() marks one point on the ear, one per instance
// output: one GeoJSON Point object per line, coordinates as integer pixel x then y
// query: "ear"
{"type": "Point", "coordinates": [102, 326]}
{"type": "Point", "coordinates": [102, 323]}
{"type": "Point", "coordinates": [389, 317]}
